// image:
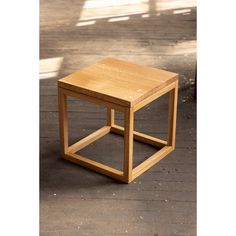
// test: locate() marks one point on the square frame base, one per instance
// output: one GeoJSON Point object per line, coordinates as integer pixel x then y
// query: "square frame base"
{"type": "Point", "coordinates": [71, 155]}
{"type": "Point", "coordinates": [129, 173]}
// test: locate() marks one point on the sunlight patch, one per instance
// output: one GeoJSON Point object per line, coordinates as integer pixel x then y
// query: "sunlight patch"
{"type": "Point", "coordinates": [50, 67]}
{"type": "Point", "coordinates": [118, 19]}
{"type": "Point", "coordinates": [84, 23]}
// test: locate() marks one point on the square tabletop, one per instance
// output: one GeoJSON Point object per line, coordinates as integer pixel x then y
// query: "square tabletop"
{"type": "Point", "coordinates": [118, 81]}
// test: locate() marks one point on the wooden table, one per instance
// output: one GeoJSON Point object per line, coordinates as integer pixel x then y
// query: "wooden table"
{"type": "Point", "coordinates": [126, 87]}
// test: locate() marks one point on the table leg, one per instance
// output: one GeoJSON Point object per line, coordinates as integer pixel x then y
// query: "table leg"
{"type": "Point", "coordinates": [63, 121]}
{"type": "Point", "coordinates": [173, 99]}
{"type": "Point", "coordinates": [128, 144]}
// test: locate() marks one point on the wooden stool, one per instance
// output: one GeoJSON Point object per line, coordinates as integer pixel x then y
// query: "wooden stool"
{"type": "Point", "coordinates": [126, 87]}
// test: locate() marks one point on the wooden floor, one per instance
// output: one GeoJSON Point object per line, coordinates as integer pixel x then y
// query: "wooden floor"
{"type": "Point", "coordinates": [76, 201]}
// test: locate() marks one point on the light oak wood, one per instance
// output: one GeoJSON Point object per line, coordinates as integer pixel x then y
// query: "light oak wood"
{"type": "Point", "coordinates": [89, 139]}
{"type": "Point", "coordinates": [63, 121]}
{"type": "Point", "coordinates": [110, 117]}
{"type": "Point", "coordinates": [128, 144]}
{"type": "Point", "coordinates": [93, 100]}
{"type": "Point", "coordinates": [96, 166]}
{"type": "Point", "coordinates": [125, 87]}
{"type": "Point", "coordinates": [156, 157]}
{"type": "Point", "coordinates": [156, 142]}
{"type": "Point", "coordinates": [154, 96]}
{"type": "Point", "coordinates": [117, 81]}
{"type": "Point", "coordinates": [173, 100]}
